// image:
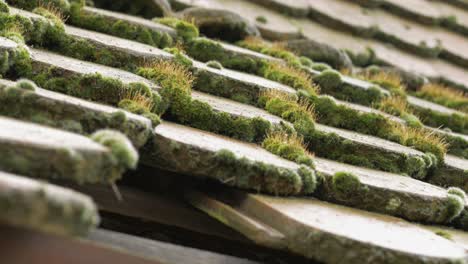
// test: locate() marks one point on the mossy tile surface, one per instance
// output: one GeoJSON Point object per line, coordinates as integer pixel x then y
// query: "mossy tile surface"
{"type": "Point", "coordinates": [370, 141]}
{"type": "Point", "coordinates": [337, 234]}
{"type": "Point", "coordinates": [132, 48]}
{"type": "Point", "coordinates": [213, 143]}
{"type": "Point", "coordinates": [424, 104]}
{"type": "Point", "coordinates": [41, 206]}
{"type": "Point", "coordinates": [209, 156]}
{"type": "Point", "coordinates": [384, 180]}
{"type": "Point", "coordinates": [50, 59]}
{"type": "Point", "coordinates": [71, 113]}
{"type": "Point", "coordinates": [235, 108]}
{"type": "Point", "coordinates": [116, 16]}
{"type": "Point", "coordinates": [39, 151]}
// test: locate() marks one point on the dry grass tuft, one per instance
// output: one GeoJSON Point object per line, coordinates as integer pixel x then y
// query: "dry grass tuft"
{"type": "Point", "coordinates": [293, 140]}
{"type": "Point", "coordinates": [420, 137]}
{"type": "Point", "coordinates": [167, 71]}
{"type": "Point", "coordinates": [273, 93]}
{"type": "Point", "coordinates": [291, 76]}
{"type": "Point", "coordinates": [139, 98]}
{"type": "Point", "coordinates": [394, 105]}
{"type": "Point", "coordinates": [254, 43]}
{"type": "Point", "coordinates": [390, 78]}
{"type": "Point", "coordinates": [444, 95]}
{"type": "Point", "coordinates": [307, 107]}
{"type": "Point", "coordinates": [54, 10]}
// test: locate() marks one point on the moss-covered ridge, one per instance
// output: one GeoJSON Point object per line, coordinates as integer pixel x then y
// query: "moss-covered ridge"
{"type": "Point", "coordinates": [24, 101]}
{"type": "Point", "coordinates": [136, 97]}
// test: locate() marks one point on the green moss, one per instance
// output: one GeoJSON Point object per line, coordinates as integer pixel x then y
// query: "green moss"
{"type": "Point", "coordinates": [261, 19]}
{"type": "Point", "coordinates": [62, 5]}
{"type": "Point", "coordinates": [309, 179]}
{"type": "Point", "coordinates": [337, 115]}
{"type": "Point", "coordinates": [204, 50]}
{"type": "Point", "coordinates": [393, 204]}
{"type": "Point", "coordinates": [345, 184]}
{"type": "Point", "coordinates": [411, 120]}
{"type": "Point", "coordinates": [79, 17]}
{"type": "Point", "coordinates": [282, 147]}
{"type": "Point", "coordinates": [362, 59]}
{"type": "Point", "coordinates": [185, 30]}
{"type": "Point", "coordinates": [306, 62]}
{"type": "Point", "coordinates": [292, 112]}
{"type": "Point", "coordinates": [122, 149]}
{"type": "Point", "coordinates": [180, 57]}
{"type": "Point", "coordinates": [453, 208]}
{"type": "Point", "coordinates": [257, 176]}
{"type": "Point", "coordinates": [320, 67]}
{"type": "Point", "coordinates": [416, 167]}
{"type": "Point", "coordinates": [458, 146]}
{"type": "Point", "coordinates": [457, 191]}
{"type": "Point", "coordinates": [292, 77]}
{"type": "Point", "coordinates": [176, 94]}
{"type": "Point", "coordinates": [443, 234]}
{"type": "Point", "coordinates": [26, 85]}
{"type": "Point", "coordinates": [4, 8]}
{"type": "Point", "coordinates": [456, 122]}
{"type": "Point", "coordinates": [214, 64]}
{"type": "Point", "coordinates": [328, 80]}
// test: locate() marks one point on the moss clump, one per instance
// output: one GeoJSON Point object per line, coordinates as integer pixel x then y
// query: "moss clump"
{"type": "Point", "coordinates": [180, 57]}
{"type": "Point", "coordinates": [457, 191]}
{"type": "Point", "coordinates": [345, 184]}
{"type": "Point", "coordinates": [300, 113]}
{"type": "Point", "coordinates": [124, 153]}
{"type": "Point", "coordinates": [185, 30]}
{"type": "Point", "coordinates": [26, 85]}
{"type": "Point", "coordinates": [261, 19]}
{"type": "Point", "coordinates": [4, 8]}
{"type": "Point", "coordinates": [328, 80]}
{"type": "Point", "coordinates": [309, 179]}
{"type": "Point", "coordinates": [214, 64]}
{"type": "Point", "coordinates": [290, 147]}
{"type": "Point", "coordinates": [81, 18]}
{"type": "Point", "coordinates": [306, 62]}
{"type": "Point", "coordinates": [454, 206]}
{"type": "Point", "coordinates": [320, 67]}
{"type": "Point", "coordinates": [176, 83]}
{"type": "Point", "coordinates": [444, 95]}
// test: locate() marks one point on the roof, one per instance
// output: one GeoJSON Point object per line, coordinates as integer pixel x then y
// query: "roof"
{"type": "Point", "coordinates": [272, 131]}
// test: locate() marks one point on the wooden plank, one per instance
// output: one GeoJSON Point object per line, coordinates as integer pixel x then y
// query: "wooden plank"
{"type": "Point", "coordinates": [20, 246]}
